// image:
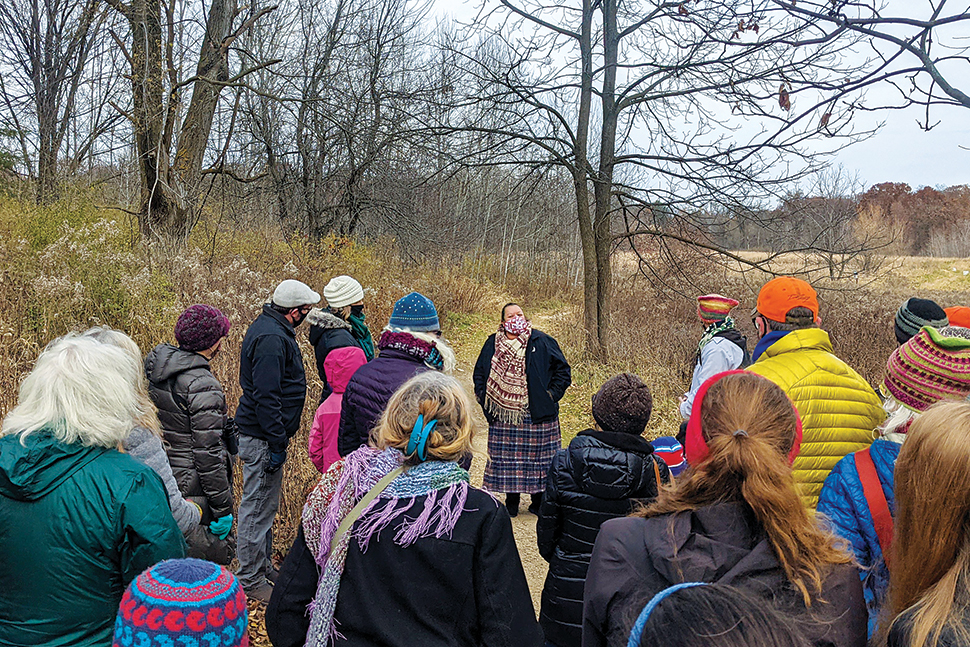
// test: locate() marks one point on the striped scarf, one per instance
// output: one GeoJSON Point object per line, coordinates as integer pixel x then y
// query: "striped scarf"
{"type": "Point", "coordinates": [445, 485]}
{"type": "Point", "coordinates": [507, 389]}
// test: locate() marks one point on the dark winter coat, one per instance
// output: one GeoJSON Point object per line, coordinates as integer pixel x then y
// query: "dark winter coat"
{"type": "Point", "coordinates": [597, 478]}
{"type": "Point", "coordinates": [636, 558]}
{"type": "Point", "coordinates": [272, 379]}
{"type": "Point", "coordinates": [843, 501]}
{"type": "Point", "coordinates": [368, 393]}
{"type": "Point", "coordinates": [77, 524]}
{"type": "Point", "coordinates": [192, 410]}
{"type": "Point", "coordinates": [547, 373]}
{"type": "Point", "coordinates": [327, 332]}
{"type": "Point", "coordinates": [466, 589]}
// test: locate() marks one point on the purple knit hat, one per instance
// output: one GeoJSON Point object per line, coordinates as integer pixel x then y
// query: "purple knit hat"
{"type": "Point", "coordinates": [200, 327]}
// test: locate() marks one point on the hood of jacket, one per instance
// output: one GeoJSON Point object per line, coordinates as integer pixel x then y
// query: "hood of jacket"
{"type": "Point", "coordinates": [166, 361]}
{"type": "Point", "coordinates": [718, 543]}
{"type": "Point", "coordinates": [341, 364]}
{"type": "Point", "coordinates": [610, 465]}
{"type": "Point", "coordinates": [804, 339]}
{"type": "Point", "coordinates": [321, 320]}
{"type": "Point", "coordinates": [33, 468]}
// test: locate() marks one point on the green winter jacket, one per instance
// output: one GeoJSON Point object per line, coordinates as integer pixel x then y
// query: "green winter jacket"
{"type": "Point", "coordinates": [77, 524]}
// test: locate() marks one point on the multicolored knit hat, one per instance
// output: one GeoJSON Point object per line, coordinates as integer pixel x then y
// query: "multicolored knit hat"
{"type": "Point", "coordinates": [715, 308]}
{"type": "Point", "coordinates": [914, 314]}
{"type": "Point", "coordinates": [183, 603]}
{"type": "Point", "coordinates": [928, 368]}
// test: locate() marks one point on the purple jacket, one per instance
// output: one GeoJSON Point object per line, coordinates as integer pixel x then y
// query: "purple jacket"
{"type": "Point", "coordinates": [368, 392]}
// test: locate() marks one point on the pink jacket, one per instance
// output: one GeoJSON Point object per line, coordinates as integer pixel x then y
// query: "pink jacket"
{"type": "Point", "coordinates": [340, 366]}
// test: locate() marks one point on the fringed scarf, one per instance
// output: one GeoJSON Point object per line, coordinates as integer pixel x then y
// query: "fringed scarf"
{"type": "Point", "coordinates": [346, 483]}
{"type": "Point", "coordinates": [507, 388]}
{"type": "Point", "coordinates": [431, 350]}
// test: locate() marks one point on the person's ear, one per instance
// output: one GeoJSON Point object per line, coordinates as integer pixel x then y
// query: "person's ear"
{"type": "Point", "coordinates": [818, 321]}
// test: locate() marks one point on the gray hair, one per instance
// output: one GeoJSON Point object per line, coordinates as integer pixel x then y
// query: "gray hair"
{"type": "Point", "coordinates": [898, 416]}
{"type": "Point", "coordinates": [81, 390]}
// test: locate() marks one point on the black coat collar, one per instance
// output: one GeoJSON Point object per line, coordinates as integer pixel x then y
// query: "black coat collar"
{"type": "Point", "coordinates": [628, 442]}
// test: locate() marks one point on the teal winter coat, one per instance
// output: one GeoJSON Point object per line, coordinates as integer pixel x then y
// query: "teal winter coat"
{"type": "Point", "coordinates": [77, 524]}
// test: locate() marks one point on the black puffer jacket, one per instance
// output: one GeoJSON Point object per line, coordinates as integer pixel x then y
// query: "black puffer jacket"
{"type": "Point", "coordinates": [192, 410]}
{"type": "Point", "coordinates": [327, 332]}
{"type": "Point", "coordinates": [596, 479]}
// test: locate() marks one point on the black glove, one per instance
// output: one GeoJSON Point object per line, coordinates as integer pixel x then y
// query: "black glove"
{"type": "Point", "coordinates": [230, 436]}
{"type": "Point", "coordinates": [276, 460]}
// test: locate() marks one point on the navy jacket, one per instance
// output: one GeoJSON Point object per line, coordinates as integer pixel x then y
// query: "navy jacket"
{"type": "Point", "coordinates": [597, 478]}
{"type": "Point", "coordinates": [547, 373]}
{"type": "Point", "coordinates": [466, 589]}
{"type": "Point", "coordinates": [843, 501]}
{"type": "Point", "coordinates": [368, 393]}
{"type": "Point", "coordinates": [272, 379]}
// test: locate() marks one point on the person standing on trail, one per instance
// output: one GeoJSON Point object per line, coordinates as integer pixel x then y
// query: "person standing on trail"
{"type": "Point", "coordinates": [410, 344]}
{"type": "Point", "coordinates": [78, 518]}
{"type": "Point", "coordinates": [520, 376]}
{"type": "Point", "coordinates": [273, 395]}
{"type": "Point", "coordinates": [837, 406]}
{"type": "Point", "coordinates": [395, 547]}
{"type": "Point", "coordinates": [722, 347]}
{"type": "Point", "coordinates": [199, 436]}
{"type": "Point", "coordinates": [339, 325]}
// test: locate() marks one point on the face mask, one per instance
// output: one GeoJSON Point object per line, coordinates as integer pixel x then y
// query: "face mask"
{"type": "Point", "coordinates": [303, 315]}
{"type": "Point", "coordinates": [357, 311]}
{"type": "Point", "coordinates": [516, 325]}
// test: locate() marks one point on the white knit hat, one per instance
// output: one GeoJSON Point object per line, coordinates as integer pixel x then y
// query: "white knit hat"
{"type": "Point", "coordinates": [293, 294]}
{"type": "Point", "coordinates": [342, 291]}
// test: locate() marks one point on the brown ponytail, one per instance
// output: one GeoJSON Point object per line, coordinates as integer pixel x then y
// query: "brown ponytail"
{"type": "Point", "coordinates": [749, 425]}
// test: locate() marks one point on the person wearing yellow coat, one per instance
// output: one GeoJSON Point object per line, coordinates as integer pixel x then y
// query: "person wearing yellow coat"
{"type": "Point", "coordinates": [838, 408]}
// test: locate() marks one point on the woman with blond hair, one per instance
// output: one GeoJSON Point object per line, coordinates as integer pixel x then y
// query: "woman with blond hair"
{"type": "Point", "coordinates": [78, 519]}
{"type": "Point", "coordinates": [735, 518]}
{"type": "Point", "coordinates": [396, 548]}
{"type": "Point", "coordinates": [929, 585]}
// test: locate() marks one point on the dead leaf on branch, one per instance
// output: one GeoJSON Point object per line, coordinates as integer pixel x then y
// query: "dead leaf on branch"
{"type": "Point", "coordinates": [825, 120]}
{"type": "Point", "coordinates": [784, 100]}
{"type": "Point", "coordinates": [682, 10]}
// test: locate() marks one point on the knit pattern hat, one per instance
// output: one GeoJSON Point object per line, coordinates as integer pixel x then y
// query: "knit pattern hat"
{"type": "Point", "coordinates": [715, 308]}
{"type": "Point", "coordinates": [342, 291]}
{"type": "Point", "coordinates": [928, 368]}
{"type": "Point", "coordinates": [183, 603]}
{"type": "Point", "coordinates": [623, 404]}
{"type": "Point", "coordinates": [914, 314]}
{"type": "Point", "coordinates": [671, 452]}
{"type": "Point", "coordinates": [415, 312]}
{"type": "Point", "coordinates": [200, 327]}
{"type": "Point", "coordinates": [293, 294]}
{"type": "Point", "coordinates": [958, 316]}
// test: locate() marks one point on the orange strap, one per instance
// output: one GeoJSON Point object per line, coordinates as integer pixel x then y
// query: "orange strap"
{"type": "Point", "coordinates": [878, 506]}
{"type": "Point", "coordinates": [656, 473]}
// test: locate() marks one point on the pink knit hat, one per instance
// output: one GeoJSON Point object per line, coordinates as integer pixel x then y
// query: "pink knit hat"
{"type": "Point", "coordinates": [715, 308]}
{"type": "Point", "coordinates": [928, 368]}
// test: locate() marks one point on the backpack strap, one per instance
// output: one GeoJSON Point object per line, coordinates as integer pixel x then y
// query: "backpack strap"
{"type": "Point", "coordinates": [876, 499]}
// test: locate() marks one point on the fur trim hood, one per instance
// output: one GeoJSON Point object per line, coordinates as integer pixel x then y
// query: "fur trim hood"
{"type": "Point", "coordinates": [326, 320]}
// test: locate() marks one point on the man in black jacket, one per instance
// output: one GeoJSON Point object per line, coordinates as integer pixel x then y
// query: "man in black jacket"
{"type": "Point", "coordinates": [273, 394]}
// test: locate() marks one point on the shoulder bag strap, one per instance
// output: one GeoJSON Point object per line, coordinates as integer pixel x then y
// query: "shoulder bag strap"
{"type": "Point", "coordinates": [352, 516]}
{"type": "Point", "coordinates": [656, 472]}
{"type": "Point", "coordinates": [876, 499]}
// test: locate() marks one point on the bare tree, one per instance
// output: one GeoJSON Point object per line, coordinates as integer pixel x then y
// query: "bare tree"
{"type": "Point", "coordinates": [171, 140]}
{"type": "Point", "coordinates": [46, 47]}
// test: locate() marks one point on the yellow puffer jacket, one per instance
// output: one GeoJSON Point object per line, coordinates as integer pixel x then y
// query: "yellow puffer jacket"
{"type": "Point", "coordinates": [839, 410]}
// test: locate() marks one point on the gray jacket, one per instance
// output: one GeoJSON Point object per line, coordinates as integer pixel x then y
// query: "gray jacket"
{"type": "Point", "coordinates": [146, 448]}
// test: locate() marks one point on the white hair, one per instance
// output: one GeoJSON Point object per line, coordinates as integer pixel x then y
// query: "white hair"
{"type": "Point", "coordinates": [81, 390]}
{"type": "Point", "coordinates": [898, 416]}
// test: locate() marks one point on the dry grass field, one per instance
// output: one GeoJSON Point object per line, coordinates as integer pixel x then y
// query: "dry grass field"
{"type": "Point", "coordinates": [67, 268]}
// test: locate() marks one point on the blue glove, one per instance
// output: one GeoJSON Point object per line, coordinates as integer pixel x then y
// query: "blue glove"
{"type": "Point", "coordinates": [221, 526]}
{"type": "Point", "coordinates": [275, 462]}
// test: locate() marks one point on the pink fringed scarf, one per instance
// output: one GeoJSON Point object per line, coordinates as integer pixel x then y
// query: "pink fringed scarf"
{"type": "Point", "coordinates": [507, 388]}
{"type": "Point", "coordinates": [444, 485]}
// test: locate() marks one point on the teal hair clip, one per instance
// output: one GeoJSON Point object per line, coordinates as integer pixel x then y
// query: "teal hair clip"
{"type": "Point", "coordinates": [418, 443]}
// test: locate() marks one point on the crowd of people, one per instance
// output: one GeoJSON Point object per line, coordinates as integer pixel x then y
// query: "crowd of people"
{"type": "Point", "coordinates": [796, 506]}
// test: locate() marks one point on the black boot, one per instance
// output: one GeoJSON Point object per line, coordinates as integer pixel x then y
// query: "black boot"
{"type": "Point", "coordinates": [512, 504]}
{"type": "Point", "coordinates": [536, 502]}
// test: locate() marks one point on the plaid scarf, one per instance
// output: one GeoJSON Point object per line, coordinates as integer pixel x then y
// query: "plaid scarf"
{"type": "Point", "coordinates": [343, 486]}
{"type": "Point", "coordinates": [507, 389]}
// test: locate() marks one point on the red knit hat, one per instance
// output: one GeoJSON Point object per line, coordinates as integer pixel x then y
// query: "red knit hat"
{"type": "Point", "coordinates": [696, 444]}
{"type": "Point", "coordinates": [715, 308]}
{"type": "Point", "coordinates": [200, 327]}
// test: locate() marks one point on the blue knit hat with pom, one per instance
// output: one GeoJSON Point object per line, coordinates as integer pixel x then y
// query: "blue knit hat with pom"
{"type": "Point", "coordinates": [415, 312]}
{"type": "Point", "coordinates": [183, 603]}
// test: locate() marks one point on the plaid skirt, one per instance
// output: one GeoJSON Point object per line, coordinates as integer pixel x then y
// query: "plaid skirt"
{"type": "Point", "coordinates": [519, 456]}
